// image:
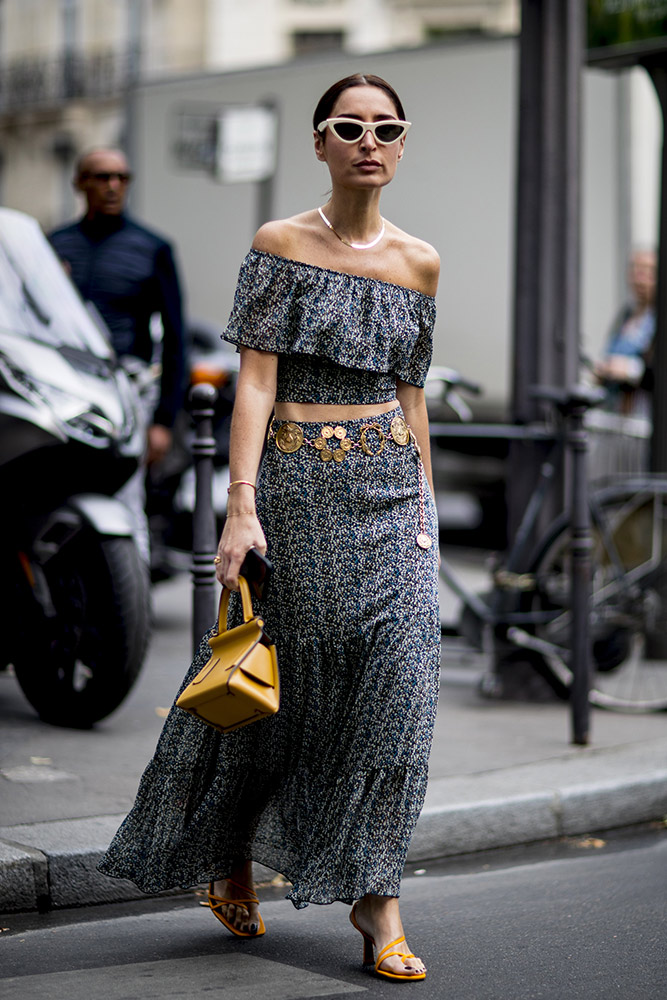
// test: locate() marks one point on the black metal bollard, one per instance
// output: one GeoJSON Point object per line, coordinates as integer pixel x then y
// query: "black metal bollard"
{"type": "Point", "coordinates": [581, 545]}
{"type": "Point", "coordinates": [204, 538]}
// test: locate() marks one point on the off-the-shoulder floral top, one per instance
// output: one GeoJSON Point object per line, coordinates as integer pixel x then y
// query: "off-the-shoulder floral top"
{"type": "Point", "coordinates": [341, 338]}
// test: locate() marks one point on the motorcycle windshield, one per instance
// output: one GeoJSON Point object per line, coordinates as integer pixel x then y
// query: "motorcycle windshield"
{"type": "Point", "coordinates": [37, 299]}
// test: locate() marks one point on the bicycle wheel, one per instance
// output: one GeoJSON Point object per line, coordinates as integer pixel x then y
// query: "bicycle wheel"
{"type": "Point", "coordinates": [628, 611]}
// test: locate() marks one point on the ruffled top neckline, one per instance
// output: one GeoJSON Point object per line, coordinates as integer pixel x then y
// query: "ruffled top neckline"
{"type": "Point", "coordinates": [343, 274]}
{"type": "Point", "coordinates": [301, 311]}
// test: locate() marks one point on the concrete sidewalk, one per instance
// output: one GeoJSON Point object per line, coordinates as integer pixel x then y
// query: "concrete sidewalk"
{"type": "Point", "coordinates": [501, 774]}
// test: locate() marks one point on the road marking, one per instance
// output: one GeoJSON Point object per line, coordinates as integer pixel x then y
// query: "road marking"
{"type": "Point", "coordinates": [36, 772]}
{"type": "Point", "coordinates": [238, 977]}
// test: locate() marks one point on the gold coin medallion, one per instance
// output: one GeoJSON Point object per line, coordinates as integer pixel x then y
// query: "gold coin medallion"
{"type": "Point", "coordinates": [340, 432]}
{"type": "Point", "coordinates": [319, 443]}
{"type": "Point", "coordinates": [289, 438]}
{"type": "Point", "coordinates": [366, 448]}
{"type": "Point", "coordinates": [346, 444]}
{"type": "Point", "coordinates": [399, 430]}
{"type": "Point", "coordinates": [339, 455]}
{"type": "Point", "coordinates": [327, 432]}
{"type": "Point", "coordinates": [326, 455]}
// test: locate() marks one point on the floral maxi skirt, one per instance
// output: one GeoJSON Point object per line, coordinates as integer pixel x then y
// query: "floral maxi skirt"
{"type": "Point", "coordinates": [327, 791]}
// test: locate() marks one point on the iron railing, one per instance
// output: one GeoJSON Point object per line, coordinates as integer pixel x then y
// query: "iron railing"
{"type": "Point", "coordinates": [32, 83]}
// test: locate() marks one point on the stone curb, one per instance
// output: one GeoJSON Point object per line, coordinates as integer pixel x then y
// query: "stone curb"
{"type": "Point", "coordinates": [53, 865]}
{"type": "Point", "coordinates": [453, 828]}
{"type": "Point", "coordinates": [67, 851]}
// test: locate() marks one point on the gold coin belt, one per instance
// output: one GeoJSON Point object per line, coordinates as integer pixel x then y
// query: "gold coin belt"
{"type": "Point", "coordinates": [333, 444]}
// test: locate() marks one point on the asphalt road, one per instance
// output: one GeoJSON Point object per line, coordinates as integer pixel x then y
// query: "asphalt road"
{"type": "Point", "coordinates": [581, 920]}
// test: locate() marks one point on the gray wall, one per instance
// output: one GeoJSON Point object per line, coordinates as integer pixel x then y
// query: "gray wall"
{"type": "Point", "coordinates": [454, 187]}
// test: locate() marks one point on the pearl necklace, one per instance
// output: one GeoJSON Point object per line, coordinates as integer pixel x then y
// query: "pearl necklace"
{"type": "Point", "coordinates": [355, 246]}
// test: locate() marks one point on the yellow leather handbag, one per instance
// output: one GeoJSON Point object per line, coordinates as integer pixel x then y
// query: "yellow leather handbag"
{"type": "Point", "coordinates": [240, 683]}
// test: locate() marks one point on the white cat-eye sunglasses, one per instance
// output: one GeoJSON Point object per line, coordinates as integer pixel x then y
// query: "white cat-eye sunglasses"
{"type": "Point", "coordinates": [351, 129]}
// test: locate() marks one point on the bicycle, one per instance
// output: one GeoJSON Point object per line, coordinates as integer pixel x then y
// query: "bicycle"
{"type": "Point", "coordinates": [528, 606]}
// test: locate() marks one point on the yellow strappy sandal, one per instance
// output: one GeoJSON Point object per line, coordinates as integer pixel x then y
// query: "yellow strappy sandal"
{"type": "Point", "coordinates": [217, 902]}
{"type": "Point", "coordinates": [369, 959]}
{"type": "Point", "coordinates": [403, 955]}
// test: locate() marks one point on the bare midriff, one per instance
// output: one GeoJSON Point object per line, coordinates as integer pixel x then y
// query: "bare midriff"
{"type": "Point", "coordinates": [324, 412]}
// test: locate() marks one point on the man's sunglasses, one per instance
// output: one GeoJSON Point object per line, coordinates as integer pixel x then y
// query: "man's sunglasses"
{"type": "Point", "coordinates": [351, 129]}
{"type": "Point", "coordinates": [104, 176]}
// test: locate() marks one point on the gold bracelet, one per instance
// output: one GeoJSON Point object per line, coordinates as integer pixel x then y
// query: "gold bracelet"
{"type": "Point", "coordinates": [241, 482]}
{"type": "Point", "coordinates": [237, 513]}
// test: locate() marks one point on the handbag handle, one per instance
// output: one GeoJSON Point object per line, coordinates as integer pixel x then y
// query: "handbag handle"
{"type": "Point", "coordinates": [246, 600]}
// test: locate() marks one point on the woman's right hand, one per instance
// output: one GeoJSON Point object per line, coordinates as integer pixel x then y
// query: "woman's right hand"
{"type": "Point", "coordinates": [242, 531]}
{"type": "Point", "coordinates": [253, 405]}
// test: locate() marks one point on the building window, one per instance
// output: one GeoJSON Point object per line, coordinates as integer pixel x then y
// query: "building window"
{"type": "Point", "coordinates": [305, 43]}
{"type": "Point", "coordinates": [435, 33]}
{"type": "Point", "coordinates": [72, 84]}
{"type": "Point", "coordinates": [69, 22]}
{"type": "Point", "coordinates": [64, 154]}
{"type": "Point", "coordinates": [135, 26]}
{"type": "Point", "coordinates": [3, 54]}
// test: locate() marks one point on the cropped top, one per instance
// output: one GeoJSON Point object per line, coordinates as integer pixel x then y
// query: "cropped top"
{"type": "Point", "coordinates": [340, 338]}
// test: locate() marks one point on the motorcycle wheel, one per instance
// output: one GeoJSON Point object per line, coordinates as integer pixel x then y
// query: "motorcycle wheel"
{"type": "Point", "coordinates": [76, 666]}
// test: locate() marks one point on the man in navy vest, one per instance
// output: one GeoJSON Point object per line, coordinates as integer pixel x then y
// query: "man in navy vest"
{"type": "Point", "coordinates": [128, 272]}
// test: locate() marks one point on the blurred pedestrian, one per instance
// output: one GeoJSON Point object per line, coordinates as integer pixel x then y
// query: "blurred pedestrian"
{"type": "Point", "coordinates": [333, 317]}
{"type": "Point", "coordinates": [625, 366]}
{"type": "Point", "coordinates": [128, 272]}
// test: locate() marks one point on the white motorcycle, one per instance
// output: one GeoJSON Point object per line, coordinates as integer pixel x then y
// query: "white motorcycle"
{"type": "Point", "coordinates": [75, 609]}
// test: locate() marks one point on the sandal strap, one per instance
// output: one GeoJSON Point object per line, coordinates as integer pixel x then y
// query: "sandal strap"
{"type": "Point", "coordinates": [215, 901]}
{"type": "Point", "coordinates": [224, 901]}
{"type": "Point", "coordinates": [244, 888]}
{"type": "Point", "coordinates": [399, 954]}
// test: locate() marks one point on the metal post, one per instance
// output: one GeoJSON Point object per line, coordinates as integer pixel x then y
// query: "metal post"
{"type": "Point", "coordinates": [546, 292]}
{"type": "Point", "coordinates": [581, 545]}
{"type": "Point", "coordinates": [204, 540]}
{"type": "Point", "coordinates": [657, 69]}
{"type": "Point", "coordinates": [656, 641]}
